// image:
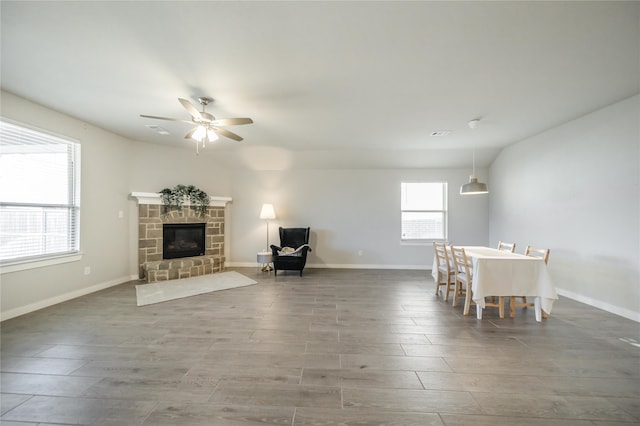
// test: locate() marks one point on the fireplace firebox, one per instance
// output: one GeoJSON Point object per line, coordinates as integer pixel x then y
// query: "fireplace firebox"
{"type": "Point", "coordinates": [183, 240]}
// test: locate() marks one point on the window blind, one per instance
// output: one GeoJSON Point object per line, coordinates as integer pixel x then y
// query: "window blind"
{"type": "Point", "coordinates": [39, 194]}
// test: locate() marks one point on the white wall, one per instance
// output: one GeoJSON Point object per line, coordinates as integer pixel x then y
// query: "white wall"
{"type": "Point", "coordinates": [104, 237]}
{"type": "Point", "coordinates": [575, 189]}
{"type": "Point", "coordinates": [348, 211]}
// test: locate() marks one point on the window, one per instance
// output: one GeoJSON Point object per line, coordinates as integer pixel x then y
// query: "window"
{"type": "Point", "coordinates": [424, 211]}
{"type": "Point", "coordinates": [39, 195]}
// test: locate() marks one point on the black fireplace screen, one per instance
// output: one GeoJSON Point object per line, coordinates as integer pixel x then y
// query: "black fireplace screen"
{"type": "Point", "coordinates": [182, 240]}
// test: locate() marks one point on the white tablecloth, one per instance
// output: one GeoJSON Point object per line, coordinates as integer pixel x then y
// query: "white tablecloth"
{"type": "Point", "coordinates": [500, 273]}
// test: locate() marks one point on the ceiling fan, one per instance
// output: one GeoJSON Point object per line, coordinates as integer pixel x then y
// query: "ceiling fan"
{"type": "Point", "coordinates": [206, 125]}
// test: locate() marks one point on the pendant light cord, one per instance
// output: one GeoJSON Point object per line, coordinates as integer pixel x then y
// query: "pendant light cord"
{"type": "Point", "coordinates": [474, 161]}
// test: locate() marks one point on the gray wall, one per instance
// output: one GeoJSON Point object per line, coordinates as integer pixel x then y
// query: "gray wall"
{"type": "Point", "coordinates": [575, 189]}
{"type": "Point", "coordinates": [348, 211]}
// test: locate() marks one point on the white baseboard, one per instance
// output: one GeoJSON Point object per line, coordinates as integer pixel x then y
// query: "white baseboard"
{"type": "Point", "coordinates": [626, 313]}
{"type": "Point", "coordinates": [366, 266]}
{"type": "Point", "coordinates": [242, 265]}
{"type": "Point", "coordinates": [337, 266]}
{"type": "Point", "coordinates": [16, 312]}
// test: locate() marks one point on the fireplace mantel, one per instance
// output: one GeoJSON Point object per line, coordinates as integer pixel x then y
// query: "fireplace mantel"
{"type": "Point", "coordinates": [153, 198]}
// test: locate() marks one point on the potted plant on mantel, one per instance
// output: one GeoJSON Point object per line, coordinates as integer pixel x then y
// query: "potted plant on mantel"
{"type": "Point", "coordinates": [175, 199]}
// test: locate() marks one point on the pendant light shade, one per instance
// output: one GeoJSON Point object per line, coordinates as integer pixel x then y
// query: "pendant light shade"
{"type": "Point", "coordinates": [474, 187]}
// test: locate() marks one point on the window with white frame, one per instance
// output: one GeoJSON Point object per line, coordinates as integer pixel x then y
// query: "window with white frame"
{"type": "Point", "coordinates": [423, 211]}
{"type": "Point", "coordinates": [39, 194]}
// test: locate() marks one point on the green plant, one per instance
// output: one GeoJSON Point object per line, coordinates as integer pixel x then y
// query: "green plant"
{"type": "Point", "coordinates": [173, 199]}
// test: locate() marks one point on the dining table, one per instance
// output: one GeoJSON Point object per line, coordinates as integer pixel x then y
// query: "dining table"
{"type": "Point", "coordinates": [502, 273]}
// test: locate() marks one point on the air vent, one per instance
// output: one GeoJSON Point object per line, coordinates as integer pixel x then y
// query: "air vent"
{"type": "Point", "coordinates": [157, 129]}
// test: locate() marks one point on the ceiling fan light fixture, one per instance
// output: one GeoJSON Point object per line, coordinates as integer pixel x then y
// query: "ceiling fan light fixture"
{"type": "Point", "coordinates": [199, 134]}
{"type": "Point", "coordinates": [212, 136]}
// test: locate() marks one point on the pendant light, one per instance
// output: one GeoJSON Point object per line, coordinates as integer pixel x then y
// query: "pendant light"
{"type": "Point", "coordinates": [474, 187]}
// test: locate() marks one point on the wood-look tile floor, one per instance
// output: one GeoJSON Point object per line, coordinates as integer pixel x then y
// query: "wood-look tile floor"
{"type": "Point", "coordinates": [334, 347]}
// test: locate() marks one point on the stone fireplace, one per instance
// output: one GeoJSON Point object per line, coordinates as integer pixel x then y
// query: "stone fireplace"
{"type": "Point", "coordinates": [153, 264]}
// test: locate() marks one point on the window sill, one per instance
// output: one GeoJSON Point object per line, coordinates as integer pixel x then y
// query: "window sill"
{"type": "Point", "coordinates": [39, 263]}
{"type": "Point", "coordinates": [417, 242]}
{"type": "Point", "coordinates": [424, 242]}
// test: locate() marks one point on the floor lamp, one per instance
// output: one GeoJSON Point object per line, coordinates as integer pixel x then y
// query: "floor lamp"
{"type": "Point", "coordinates": [267, 213]}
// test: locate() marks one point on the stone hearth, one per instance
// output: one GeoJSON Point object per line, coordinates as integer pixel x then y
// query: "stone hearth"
{"type": "Point", "coordinates": [186, 267]}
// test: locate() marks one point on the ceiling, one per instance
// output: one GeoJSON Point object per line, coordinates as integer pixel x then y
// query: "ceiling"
{"type": "Point", "coordinates": [328, 84]}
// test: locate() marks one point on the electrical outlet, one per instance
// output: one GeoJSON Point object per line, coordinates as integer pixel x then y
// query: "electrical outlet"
{"type": "Point", "coordinates": [87, 270]}
{"type": "Point", "coordinates": [360, 252]}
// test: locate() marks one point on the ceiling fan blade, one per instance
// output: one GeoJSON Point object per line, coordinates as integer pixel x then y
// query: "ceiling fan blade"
{"type": "Point", "coordinates": [226, 133]}
{"type": "Point", "coordinates": [231, 121]}
{"type": "Point", "coordinates": [165, 118]}
{"type": "Point", "coordinates": [190, 108]}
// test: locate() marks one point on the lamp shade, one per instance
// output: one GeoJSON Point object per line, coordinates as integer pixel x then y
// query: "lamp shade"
{"type": "Point", "coordinates": [267, 212]}
{"type": "Point", "coordinates": [474, 187]}
{"type": "Point", "coordinates": [199, 134]}
{"type": "Point", "coordinates": [212, 136]}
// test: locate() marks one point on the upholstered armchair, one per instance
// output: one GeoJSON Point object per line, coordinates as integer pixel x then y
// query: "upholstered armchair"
{"type": "Point", "coordinates": [291, 255]}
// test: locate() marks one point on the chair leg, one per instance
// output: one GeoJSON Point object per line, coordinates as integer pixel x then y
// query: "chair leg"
{"type": "Point", "coordinates": [501, 306]}
{"type": "Point", "coordinates": [513, 304]}
{"type": "Point", "coordinates": [456, 292]}
{"type": "Point", "coordinates": [446, 295]}
{"type": "Point", "coordinates": [467, 301]}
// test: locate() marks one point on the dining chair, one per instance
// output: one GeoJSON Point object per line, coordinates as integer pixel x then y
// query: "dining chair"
{"type": "Point", "coordinates": [510, 247]}
{"type": "Point", "coordinates": [464, 277]}
{"type": "Point", "coordinates": [445, 271]}
{"type": "Point", "coordinates": [513, 304]}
